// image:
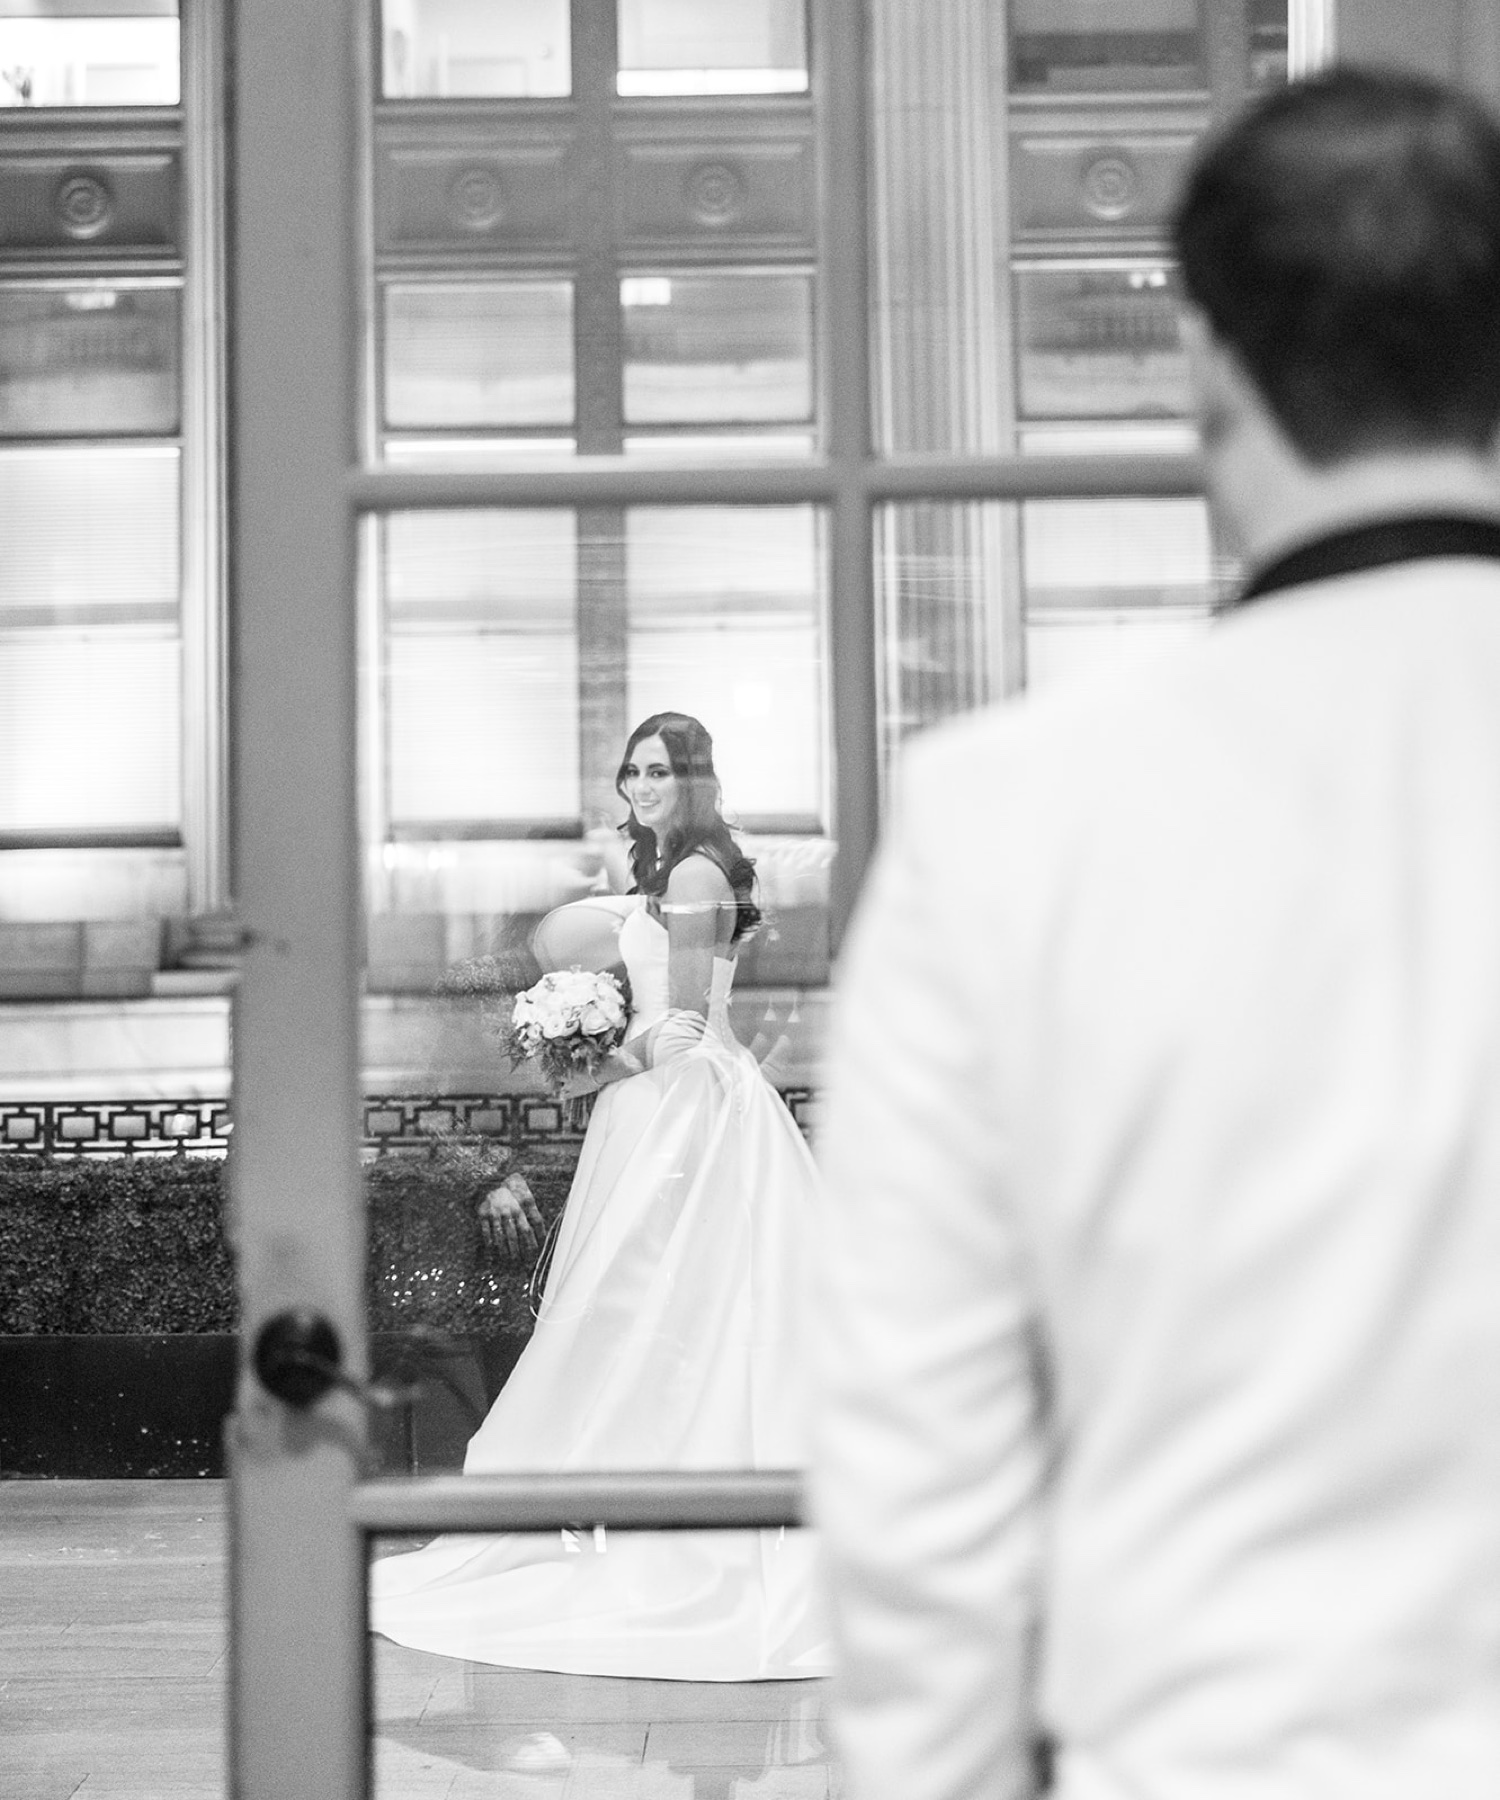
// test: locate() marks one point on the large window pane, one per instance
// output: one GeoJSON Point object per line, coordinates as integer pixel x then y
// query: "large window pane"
{"type": "Point", "coordinates": [471, 354]}
{"type": "Point", "coordinates": [482, 675]}
{"type": "Point", "coordinates": [1098, 342]}
{"type": "Point", "coordinates": [724, 348]}
{"type": "Point", "coordinates": [89, 528]}
{"type": "Point", "coordinates": [1088, 46]}
{"type": "Point", "coordinates": [508, 49]}
{"type": "Point", "coordinates": [712, 47]}
{"type": "Point", "coordinates": [91, 358]}
{"type": "Point", "coordinates": [977, 601]}
{"type": "Point", "coordinates": [89, 53]}
{"type": "Point", "coordinates": [1112, 582]}
{"type": "Point", "coordinates": [726, 624]}
{"type": "Point", "coordinates": [89, 723]}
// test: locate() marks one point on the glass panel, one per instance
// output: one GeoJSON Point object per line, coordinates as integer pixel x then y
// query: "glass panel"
{"type": "Point", "coordinates": [520, 1732]}
{"type": "Point", "coordinates": [1100, 342]}
{"type": "Point", "coordinates": [442, 49]}
{"type": "Point", "coordinates": [1091, 46]}
{"type": "Point", "coordinates": [1111, 582]}
{"type": "Point", "coordinates": [706, 349]}
{"type": "Point", "coordinates": [509, 656]}
{"type": "Point", "coordinates": [89, 358]}
{"type": "Point", "coordinates": [483, 671]}
{"type": "Point", "coordinates": [89, 528]}
{"type": "Point", "coordinates": [478, 355]}
{"type": "Point", "coordinates": [89, 53]}
{"type": "Point", "coordinates": [89, 724]}
{"type": "Point", "coordinates": [713, 47]}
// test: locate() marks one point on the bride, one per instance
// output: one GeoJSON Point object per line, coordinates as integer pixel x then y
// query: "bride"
{"type": "Point", "coordinates": [668, 1334]}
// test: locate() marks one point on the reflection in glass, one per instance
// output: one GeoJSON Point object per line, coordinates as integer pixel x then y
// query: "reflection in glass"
{"type": "Point", "coordinates": [89, 53]}
{"type": "Point", "coordinates": [712, 47]}
{"type": "Point", "coordinates": [633, 1301]}
{"type": "Point", "coordinates": [1091, 46]}
{"type": "Point", "coordinates": [1097, 343]}
{"type": "Point", "coordinates": [91, 357]}
{"type": "Point", "coordinates": [447, 49]}
{"type": "Point", "coordinates": [482, 675]}
{"type": "Point", "coordinates": [724, 348]}
{"type": "Point", "coordinates": [508, 1731]}
{"type": "Point", "coordinates": [1111, 582]}
{"type": "Point", "coordinates": [478, 354]}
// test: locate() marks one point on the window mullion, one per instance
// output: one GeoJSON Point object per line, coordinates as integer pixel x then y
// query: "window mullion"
{"type": "Point", "coordinates": [602, 602]}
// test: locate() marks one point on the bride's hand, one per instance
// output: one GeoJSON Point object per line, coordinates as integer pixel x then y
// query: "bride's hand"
{"type": "Point", "coordinates": [510, 1221]}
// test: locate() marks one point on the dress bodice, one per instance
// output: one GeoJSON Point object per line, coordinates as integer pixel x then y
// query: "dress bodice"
{"type": "Point", "coordinates": [644, 949]}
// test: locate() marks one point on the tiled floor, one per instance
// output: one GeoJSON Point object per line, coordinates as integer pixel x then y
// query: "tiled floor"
{"type": "Point", "coordinates": [112, 1657]}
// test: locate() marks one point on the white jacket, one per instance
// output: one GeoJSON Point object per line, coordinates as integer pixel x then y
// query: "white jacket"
{"type": "Point", "coordinates": [1160, 1315]}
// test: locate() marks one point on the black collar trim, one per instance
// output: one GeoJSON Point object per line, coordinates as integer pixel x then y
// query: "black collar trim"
{"type": "Point", "coordinates": [1374, 545]}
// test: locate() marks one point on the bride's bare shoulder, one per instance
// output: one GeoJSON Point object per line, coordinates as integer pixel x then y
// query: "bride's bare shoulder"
{"type": "Point", "coordinates": [697, 881]}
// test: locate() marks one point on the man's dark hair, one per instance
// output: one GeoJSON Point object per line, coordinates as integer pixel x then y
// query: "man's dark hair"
{"type": "Point", "coordinates": [1343, 238]}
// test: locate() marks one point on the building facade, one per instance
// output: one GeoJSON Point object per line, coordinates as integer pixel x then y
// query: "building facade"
{"type": "Point", "coordinates": [584, 230]}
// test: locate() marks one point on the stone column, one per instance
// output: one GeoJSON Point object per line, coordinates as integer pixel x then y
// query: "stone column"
{"type": "Point", "coordinates": [942, 343]}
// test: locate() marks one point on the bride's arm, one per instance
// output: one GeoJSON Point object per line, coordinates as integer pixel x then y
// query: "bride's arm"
{"type": "Point", "coordinates": [698, 894]}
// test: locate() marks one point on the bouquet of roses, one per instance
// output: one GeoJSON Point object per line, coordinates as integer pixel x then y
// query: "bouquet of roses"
{"type": "Point", "coordinates": [568, 1022]}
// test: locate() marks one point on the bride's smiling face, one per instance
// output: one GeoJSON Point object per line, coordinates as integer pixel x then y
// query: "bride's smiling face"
{"type": "Point", "coordinates": [650, 786]}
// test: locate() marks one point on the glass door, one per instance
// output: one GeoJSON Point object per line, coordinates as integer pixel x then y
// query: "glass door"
{"type": "Point", "coordinates": [593, 360]}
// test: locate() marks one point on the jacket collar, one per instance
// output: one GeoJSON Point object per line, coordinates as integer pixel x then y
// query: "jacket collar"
{"type": "Point", "coordinates": [1374, 545]}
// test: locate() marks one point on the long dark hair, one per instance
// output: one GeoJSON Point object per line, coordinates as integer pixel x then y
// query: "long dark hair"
{"type": "Point", "coordinates": [697, 826]}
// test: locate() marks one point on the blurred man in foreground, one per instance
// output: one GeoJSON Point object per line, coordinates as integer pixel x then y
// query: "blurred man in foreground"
{"type": "Point", "coordinates": [1160, 1363]}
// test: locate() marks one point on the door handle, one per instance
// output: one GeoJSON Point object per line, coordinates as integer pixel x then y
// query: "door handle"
{"type": "Point", "coordinates": [298, 1358]}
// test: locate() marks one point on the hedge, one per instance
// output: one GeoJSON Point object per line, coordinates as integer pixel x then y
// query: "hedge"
{"type": "Point", "coordinates": [137, 1245]}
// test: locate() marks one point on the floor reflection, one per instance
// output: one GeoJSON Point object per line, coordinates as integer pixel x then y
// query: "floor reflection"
{"type": "Point", "coordinates": [449, 1730]}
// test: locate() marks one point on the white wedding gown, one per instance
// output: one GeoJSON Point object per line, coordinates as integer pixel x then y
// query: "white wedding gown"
{"type": "Point", "coordinates": [668, 1338]}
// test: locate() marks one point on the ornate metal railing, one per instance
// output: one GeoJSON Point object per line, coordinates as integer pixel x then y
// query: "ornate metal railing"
{"type": "Point", "coordinates": [68, 1128]}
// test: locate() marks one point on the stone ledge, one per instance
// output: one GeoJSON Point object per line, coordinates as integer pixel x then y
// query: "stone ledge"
{"type": "Point", "coordinates": [175, 1044]}
{"type": "Point", "coordinates": [79, 959]}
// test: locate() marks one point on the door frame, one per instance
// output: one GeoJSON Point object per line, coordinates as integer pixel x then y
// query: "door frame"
{"type": "Point", "coordinates": [301, 1516]}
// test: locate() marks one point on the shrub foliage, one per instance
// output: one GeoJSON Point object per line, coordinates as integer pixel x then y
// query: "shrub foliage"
{"type": "Point", "coordinates": [139, 1245]}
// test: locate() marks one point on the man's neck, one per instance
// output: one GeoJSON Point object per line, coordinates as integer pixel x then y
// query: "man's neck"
{"type": "Point", "coordinates": [1285, 503]}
